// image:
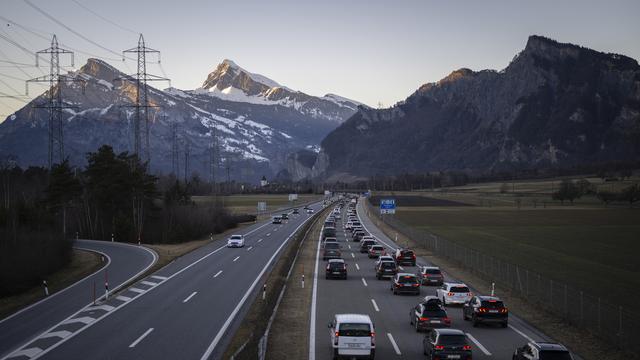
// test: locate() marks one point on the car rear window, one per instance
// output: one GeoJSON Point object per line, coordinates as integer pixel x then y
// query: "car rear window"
{"type": "Point", "coordinates": [350, 329]}
{"type": "Point", "coordinates": [493, 304]}
{"type": "Point", "coordinates": [452, 340]}
{"type": "Point", "coordinates": [407, 253]}
{"type": "Point", "coordinates": [332, 245]}
{"type": "Point", "coordinates": [377, 247]}
{"type": "Point", "coordinates": [388, 265]}
{"type": "Point", "coordinates": [434, 313]}
{"type": "Point", "coordinates": [432, 271]}
{"type": "Point", "coordinates": [407, 279]}
{"type": "Point", "coordinates": [337, 265]}
{"type": "Point", "coordinates": [554, 355]}
{"type": "Point", "coordinates": [459, 289]}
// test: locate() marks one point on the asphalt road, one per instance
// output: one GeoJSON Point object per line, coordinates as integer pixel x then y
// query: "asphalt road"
{"type": "Point", "coordinates": [395, 338]}
{"type": "Point", "coordinates": [182, 311]}
{"type": "Point", "coordinates": [123, 262]}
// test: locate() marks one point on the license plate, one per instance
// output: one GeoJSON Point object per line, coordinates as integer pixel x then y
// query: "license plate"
{"type": "Point", "coordinates": [435, 321]}
{"type": "Point", "coordinates": [336, 272]}
{"type": "Point", "coordinates": [453, 356]}
{"type": "Point", "coordinates": [354, 345]}
{"type": "Point", "coordinates": [493, 311]}
{"type": "Point", "coordinates": [433, 280]}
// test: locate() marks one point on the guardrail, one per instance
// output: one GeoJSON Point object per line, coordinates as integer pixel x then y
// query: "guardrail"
{"type": "Point", "coordinates": [612, 322]}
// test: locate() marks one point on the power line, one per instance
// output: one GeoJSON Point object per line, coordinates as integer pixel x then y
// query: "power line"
{"type": "Point", "coordinates": [105, 19]}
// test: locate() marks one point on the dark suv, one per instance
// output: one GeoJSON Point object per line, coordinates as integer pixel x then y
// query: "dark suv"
{"type": "Point", "coordinates": [446, 344]}
{"type": "Point", "coordinates": [405, 256]}
{"type": "Point", "coordinates": [542, 351]}
{"type": "Point", "coordinates": [429, 315]}
{"type": "Point", "coordinates": [405, 283]}
{"type": "Point", "coordinates": [364, 245]}
{"type": "Point", "coordinates": [486, 309]}
{"type": "Point", "coordinates": [431, 275]}
{"type": "Point", "coordinates": [386, 268]}
{"type": "Point", "coordinates": [336, 268]}
{"type": "Point", "coordinates": [331, 250]}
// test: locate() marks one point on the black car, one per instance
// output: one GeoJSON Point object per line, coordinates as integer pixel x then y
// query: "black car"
{"type": "Point", "coordinates": [284, 216]}
{"type": "Point", "coordinates": [542, 351]}
{"type": "Point", "coordinates": [486, 309]}
{"type": "Point", "coordinates": [386, 268]}
{"type": "Point", "coordinates": [405, 283]}
{"type": "Point", "coordinates": [446, 344]}
{"type": "Point", "coordinates": [405, 256]}
{"type": "Point", "coordinates": [425, 316]}
{"type": "Point", "coordinates": [358, 235]}
{"type": "Point", "coordinates": [331, 250]}
{"type": "Point", "coordinates": [296, 211]}
{"type": "Point", "coordinates": [431, 275]}
{"type": "Point", "coordinates": [336, 268]}
{"type": "Point", "coordinates": [328, 232]}
{"type": "Point", "coordinates": [364, 245]}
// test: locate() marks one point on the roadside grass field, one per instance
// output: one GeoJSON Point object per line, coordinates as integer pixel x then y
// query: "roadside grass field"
{"type": "Point", "coordinates": [248, 204]}
{"type": "Point", "coordinates": [591, 248]}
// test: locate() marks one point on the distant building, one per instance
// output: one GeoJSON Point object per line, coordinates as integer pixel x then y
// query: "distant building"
{"type": "Point", "coordinates": [263, 181]}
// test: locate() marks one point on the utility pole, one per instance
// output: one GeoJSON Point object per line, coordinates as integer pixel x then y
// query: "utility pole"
{"type": "Point", "coordinates": [142, 101]}
{"type": "Point", "coordinates": [55, 103]}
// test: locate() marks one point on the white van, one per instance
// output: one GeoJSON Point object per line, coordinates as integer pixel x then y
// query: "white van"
{"type": "Point", "coordinates": [353, 336]}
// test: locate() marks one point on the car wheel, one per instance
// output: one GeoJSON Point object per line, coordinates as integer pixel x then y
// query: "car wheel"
{"type": "Point", "coordinates": [410, 320]}
{"type": "Point", "coordinates": [335, 354]}
{"type": "Point", "coordinates": [326, 276]}
{"type": "Point", "coordinates": [417, 327]}
{"type": "Point", "coordinates": [505, 324]}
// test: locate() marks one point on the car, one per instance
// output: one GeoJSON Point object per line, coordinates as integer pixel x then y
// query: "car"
{"type": "Point", "coordinates": [386, 269]}
{"type": "Point", "coordinates": [276, 220]}
{"type": "Point", "coordinates": [328, 232]}
{"type": "Point", "coordinates": [284, 216]}
{"type": "Point", "coordinates": [486, 309]}
{"type": "Point", "coordinates": [542, 351]}
{"type": "Point", "coordinates": [382, 258]}
{"type": "Point", "coordinates": [429, 315]}
{"type": "Point", "coordinates": [329, 240]}
{"type": "Point", "coordinates": [364, 245]}
{"type": "Point", "coordinates": [376, 250]}
{"type": "Point", "coordinates": [235, 241]}
{"type": "Point", "coordinates": [309, 211]}
{"type": "Point", "coordinates": [329, 223]}
{"type": "Point", "coordinates": [446, 344]}
{"type": "Point", "coordinates": [368, 237]}
{"type": "Point", "coordinates": [453, 293]}
{"type": "Point", "coordinates": [357, 236]}
{"type": "Point", "coordinates": [336, 268]}
{"type": "Point", "coordinates": [352, 336]}
{"type": "Point", "coordinates": [431, 275]}
{"type": "Point", "coordinates": [348, 225]}
{"type": "Point", "coordinates": [331, 250]}
{"type": "Point", "coordinates": [405, 283]}
{"type": "Point", "coordinates": [296, 211]}
{"type": "Point", "coordinates": [405, 256]}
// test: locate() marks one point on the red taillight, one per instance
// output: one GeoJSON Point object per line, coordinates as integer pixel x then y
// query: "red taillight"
{"type": "Point", "coordinates": [335, 342]}
{"type": "Point", "coordinates": [373, 338]}
{"type": "Point", "coordinates": [424, 319]}
{"type": "Point", "coordinates": [413, 256]}
{"type": "Point", "coordinates": [439, 347]}
{"type": "Point", "coordinates": [482, 310]}
{"type": "Point", "coordinates": [450, 294]}
{"type": "Point", "coordinates": [466, 347]}
{"type": "Point", "coordinates": [415, 285]}
{"type": "Point", "coordinates": [504, 310]}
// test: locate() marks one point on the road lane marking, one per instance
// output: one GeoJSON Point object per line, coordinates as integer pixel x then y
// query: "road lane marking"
{"type": "Point", "coordinates": [104, 307]}
{"type": "Point", "coordinates": [250, 247]}
{"type": "Point", "coordinates": [353, 256]}
{"type": "Point", "coordinates": [260, 240]}
{"type": "Point", "coordinates": [123, 298]}
{"type": "Point", "coordinates": [133, 344]}
{"type": "Point", "coordinates": [268, 234]}
{"type": "Point", "coordinates": [237, 257]}
{"type": "Point", "coordinates": [30, 352]}
{"type": "Point", "coordinates": [521, 333]}
{"type": "Point", "coordinates": [364, 282]}
{"type": "Point", "coordinates": [61, 334]}
{"type": "Point", "coordinates": [159, 277]}
{"type": "Point", "coordinates": [189, 297]}
{"type": "Point", "coordinates": [349, 246]}
{"type": "Point", "coordinates": [148, 283]}
{"type": "Point", "coordinates": [218, 273]}
{"type": "Point", "coordinates": [482, 348]}
{"type": "Point", "coordinates": [357, 267]}
{"type": "Point", "coordinates": [393, 343]}
{"type": "Point", "coordinates": [85, 320]}
{"type": "Point", "coordinates": [375, 306]}
{"type": "Point", "coordinates": [136, 290]}
{"type": "Point", "coordinates": [314, 298]}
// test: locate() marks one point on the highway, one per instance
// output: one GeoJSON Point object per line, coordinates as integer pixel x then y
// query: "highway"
{"type": "Point", "coordinates": [123, 262]}
{"type": "Point", "coordinates": [182, 311]}
{"type": "Point", "coordinates": [395, 337]}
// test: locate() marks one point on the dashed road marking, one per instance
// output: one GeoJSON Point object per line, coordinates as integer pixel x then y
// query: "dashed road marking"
{"type": "Point", "coordinates": [393, 343]}
{"type": "Point", "coordinates": [375, 306]}
{"type": "Point", "coordinates": [349, 246]}
{"type": "Point", "coordinates": [190, 296]}
{"type": "Point", "coordinates": [237, 257]}
{"type": "Point", "coordinates": [136, 290]}
{"type": "Point", "coordinates": [133, 344]}
{"type": "Point", "coordinates": [30, 352]}
{"type": "Point", "coordinates": [250, 247]}
{"type": "Point", "coordinates": [268, 234]}
{"type": "Point", "coordinates": [482, 348]}
{"type": "Point", "coordinates": [104, 307]}
{"type": "Point", "coordinates": [123, 298]}
{"type": "Point", "coordinates": [353, 256]}
{"type": "Point", "coordinates": [357, 267]}
{"type": "Point", "coordinates": [148, 283]}
{"type": "Point", "coordinates": [61, 334]}
{"type": "Point", "coordinates": [85, 320]}
{"type": "Point", "coordinates": [259, 240]}
{"type": "Point", "coordinates": [218, 273]}
{"type": "Point", "coordinates": [364, 282]}
{"type": "Point", "coordinates": [159, 277]}
{"type": "Point", "coordinates": [521, 333]}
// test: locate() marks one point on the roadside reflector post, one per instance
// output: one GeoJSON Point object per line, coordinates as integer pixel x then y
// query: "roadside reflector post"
{"type": "Point", "coordinates": [264, 291]}
{"type": "Point", "coordinates": [303, 281]}
{"type": "Point", "coordinates": [211, 236]}
{"type": "Point", "coordinates": [493, 289]}
{"type": "Point", "coordinates": [46, 288]}
{"type": "Point", "coordinates": [106, 286]}
{"type": "Point", "coordinates": [138, 239]}
{"type": "Point", "coordinates": [77, 235]}
{"type": "Point", "coordinates": [111, 237]}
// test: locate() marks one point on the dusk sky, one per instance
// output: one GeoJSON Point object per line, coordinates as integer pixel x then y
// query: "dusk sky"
{"type": "Point", "coordinates": [370, 51]}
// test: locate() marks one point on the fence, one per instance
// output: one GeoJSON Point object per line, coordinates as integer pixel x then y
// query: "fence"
{"type": "Point", "coordinates": [605, 320]}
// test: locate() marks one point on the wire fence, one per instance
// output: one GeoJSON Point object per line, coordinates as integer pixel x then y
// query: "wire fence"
{"type": "Point", "coordinates": [608, 321]}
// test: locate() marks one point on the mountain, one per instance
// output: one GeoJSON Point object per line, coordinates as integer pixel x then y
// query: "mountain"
{"type": "Point", "coordinates": [554, 105]}
{"type": "Point", "coordinates": [256, 121]}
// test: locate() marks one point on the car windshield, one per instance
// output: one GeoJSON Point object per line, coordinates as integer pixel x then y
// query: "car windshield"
{"type": "Point", "coordinates": [434, 313]}
{"type": "Point", "coordinates": [349, 329]}
{"type": "Point", "coordinates": [459, 289]}
{"type": "Point", "coordinates": [432, 271]}
{"type": "Point", "coordinates": [554, 355]}
{"type": "Point", "coordinates": [452, 340]}
{"type": "Point", "coordinates": [406, 279]}
{"type": "Point", "coordinates": [495, 304]}
{"type": "Point", "coordinates": [236, 237]}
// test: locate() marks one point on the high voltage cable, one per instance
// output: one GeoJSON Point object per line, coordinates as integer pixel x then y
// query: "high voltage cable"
{"type": "Point", "coordinates": [105, 19]}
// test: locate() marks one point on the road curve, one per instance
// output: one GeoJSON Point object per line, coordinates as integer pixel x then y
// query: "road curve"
{"type": "Point", "coordinates": [123, 263]}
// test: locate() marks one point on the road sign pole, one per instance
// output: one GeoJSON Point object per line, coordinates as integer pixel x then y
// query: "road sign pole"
{"type": "Point", "coordinates": [46, 287]}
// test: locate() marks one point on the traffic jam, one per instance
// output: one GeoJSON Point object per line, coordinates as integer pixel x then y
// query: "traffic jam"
{"type": "Point", "coordinates": [380, 300]}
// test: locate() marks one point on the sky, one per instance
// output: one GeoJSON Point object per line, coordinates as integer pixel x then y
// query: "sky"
{"type": "Point", "coordinates": [372, 51]}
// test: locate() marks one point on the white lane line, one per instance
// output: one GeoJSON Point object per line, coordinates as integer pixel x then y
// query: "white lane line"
{"type": "Point", "coordinates": [189, 297]}
{"type": "Point", "coordinates": [482, 348]}
{"type": "Point", "coordinates": [159, 277]}
{"type": "Point", "coordinates": [349, 246]}
{"type": "Point", "coordinates": [85, 320]}
{"type": "Point", "coordinates": [237, 257]}
{"type": "Point", "coordinates": [61, 334]}
{"type": "Point", "coordinates": [104, 307]}
{"type": "Point", "coordinates": [217, 274]}
{"type": "Point", "coordinates": [364, 282]}
{"type": "Point", "coordinates": [148, 283]}
{"type": "Point", "coordinates": [353, 256]}
{"type": "Point", "coordinates": [136, 290]}
{"type": "Point", "coordinates": [521, 333]}
{"type": "Point", "coordinates": [260, 240]}
{"type": "Point", "coordinates": [123, 298]}
{"type": "Point", "coordinates": [133, 344]}
{"type": "Point", "coordinates": [314, 298]}
{"type": "Point", "coordinates": [393, 343]}
{"type": "Point", "coordinates": [375, 306]}
{"type": "Point", "coordinates": [250, 247]}
{"type": "Point", "coordinates": [268, 234]}
{"type": "Point", "coordinates": [357, 267]}
{"type": "Point", "coordinates": [30, 352]}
